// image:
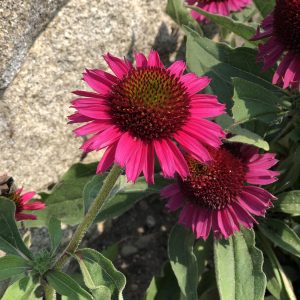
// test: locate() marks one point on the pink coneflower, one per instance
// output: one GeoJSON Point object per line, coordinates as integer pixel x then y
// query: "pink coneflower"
{"type": "Point", "coordinates": [221, 196]}
{"type": "Point", "coordinates": [282, 30]}
{"type": "Point", "coordinates": [220, 7]}
{"type": "Point", "coordinates": [21, 202]}
{"type": "Point", "coordinates": [144, 109]}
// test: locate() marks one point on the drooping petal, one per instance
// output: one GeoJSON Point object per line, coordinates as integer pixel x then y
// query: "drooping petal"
{"type": "Point", "coordinates": [118, 66]}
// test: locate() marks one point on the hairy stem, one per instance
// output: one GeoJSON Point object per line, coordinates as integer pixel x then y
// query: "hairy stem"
{"type": "Point", "coordinates": [89, 218]}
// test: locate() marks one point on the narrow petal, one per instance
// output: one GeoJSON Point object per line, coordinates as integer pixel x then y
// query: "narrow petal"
{"type": "Point", "coordinates": [27, 196]}
{"type": "Point", "coordinates": [148, 168]}
{"type": "Point", "coordinates": [118, 66]}
{"type": "Point", "coordinates": [154, 60]}
{"type": "Point", "coordinates": [107, 159]}
{"type": "Point", "coordinates": [140, 60]}
{"type": "Point", "coordinates": [193, 83]}
{"type": "Point", "coordinates": [177, 68]}
{"type": "Point", "coordinates": [37, 205]}
{"type": "Point", "coordinates": [21, 216]}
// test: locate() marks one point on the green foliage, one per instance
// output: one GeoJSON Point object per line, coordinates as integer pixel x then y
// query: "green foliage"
{"type": "Point", "coordinates": [265, 6]}
{"type": "Point", "coordinates": [289, 203]}
{"type": "Point", "coordinates": [55, 233]}
{"type": "Point", "coordinates": [164, 287]}
{"type": "Point", "coordinates": [179, 13]}
{"type": "Point", "coordinates": [123, 196]}
{"type": "Point", "coordinates": [67, 286]}
{"type": "Point", "coordinates": [10, 239]}
{"type": "Point", "coordinates": [278, 283]}
{"type": "Point", "coordinates": [241, 135]}
{"type": "Point", "coordinates": [281, 235]}
{"type": "Point", "coordinates": [184, 261]}
{"type": "Point", "coordinates": [99, 273]}
{"type": "Point", "coordinates": [241, 29]}
{"type": "Point", "coordinates": [222, 63]}
{"type": "Point", "coordinates": [65, 201]}
{"type": "Point", "coordinates": [12, 265]}
{"type": "Point", "coordinates": [238, 266]}
{"type": "Point", "coordinates": [253, 102]}
{"type": "Point", "coordinates": [22, 289]}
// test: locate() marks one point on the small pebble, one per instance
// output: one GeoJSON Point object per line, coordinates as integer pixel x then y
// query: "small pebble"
{"type": "Point", "coordinates": [128, 250]}
{"type": "Point", "coordinates": [150, 221]}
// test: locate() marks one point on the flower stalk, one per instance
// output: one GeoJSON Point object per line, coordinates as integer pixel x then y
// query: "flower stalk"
{"type": "Point", "coordinates": [89, 218]}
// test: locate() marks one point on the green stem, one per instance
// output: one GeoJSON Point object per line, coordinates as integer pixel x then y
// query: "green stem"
{"type": "Point", "coordinates": [90, 216]}
{"type": "Point", "coordinates": [49, 292]}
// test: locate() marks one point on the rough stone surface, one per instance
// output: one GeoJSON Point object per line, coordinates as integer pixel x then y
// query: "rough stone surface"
{"type": "Point", "coordinates": [36, 144]}
{"type": "Point", "coordinates": [20, 23]}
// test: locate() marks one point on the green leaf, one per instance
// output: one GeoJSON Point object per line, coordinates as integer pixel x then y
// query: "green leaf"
{"type": "Point", "coordinates": [281, 235]}
{"type": "Point", "coordinates": [111, 252]}
{"type": "Point", "coordinates": [11, 265]}
{"type": "Point", "coordinates": [123, 196]}
{"type": "Point", "coordinates": [222, 63]}
{"type": "Point", "coordinates": [66, 286]}
{"type": "Point", "coordinates": [183, 260]}
{"type": "Point", "coordinates": [278, 283]}
{"type": "Point", "coordinates": [22, 289]}
{"type": "Point", "coordinates": [203, 252]}
{"type": "Point", "coordinates": [238, 265]}
{"type": "Point", "coordinates": [288, 203]}
{"type": "Point", "coordinates": [98, 271]}
{"type": "Point", "coordinates": [164, 287]}
{"type": "Point", "coordinates": [65, 201]}
{"type": "Point", "coordinates": [179, 13]}
{"type": "Point", "coordinates": [264, 6]}
{"type": "Point", "coordinates": [239, 28]}
{"type": "Point", "coordinates": [10, 239]}
{"type": "Point", "coordinates": [241, 135]}
{"type": "Point", "coordinates": [55, 234]}
{"type": "Point", "coordinates": [253, 102]}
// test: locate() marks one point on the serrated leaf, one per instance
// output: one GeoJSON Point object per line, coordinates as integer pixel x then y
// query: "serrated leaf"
{"type": "Point", "coordinates": [164, 287]}
{"type": "Point", "coordinates": [10, 238]}
{"type": "Point", "coordinates": [241, 29]}
{"type": "Point", "coordinates": [281, 235]}
{"type": "Point", "coordinates": [55, 233]}
{"type": "Point", "coordinates": [98, 271]}
{"type": "Point", "coordinates": [179, 13]}
{"type": "Point", "coordinates": [66, 286]}
{"type": "Point", "coordinates": [278, 283]}
{"type": "Point", "coordinates": [222, 63]}
{"type": "Point", "coordinates": [238, 265]}
{"type": "Point", "coordinates": [12, 265]}
{"type": "Point", "coordinates": [288, 202]}
{"type": "Point", "coordinates": [183, 260]}
{"type": "Point", "coordinates": [22, 289]}
{"type": "Point", "coordinates": [264, 6]}
{"type": "Point", "coordinates": [253, 102]}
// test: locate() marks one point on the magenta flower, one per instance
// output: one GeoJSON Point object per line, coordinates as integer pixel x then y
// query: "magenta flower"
{"type": "Point", "coordinates": [144, 109]}
{"type": "Point", "coordinates": [282, 31]}
{"type": "Point", "coordinates": [21, 202]}
{"type": "Point", "coordinates": [220, 7]}
{"type": "Point", "coordinates": [221, 195]}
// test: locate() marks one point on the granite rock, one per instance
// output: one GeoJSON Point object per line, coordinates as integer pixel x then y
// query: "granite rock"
{"type": "Point", "coordinates": [36, 144]}
{"type": "Point", "coordinates": [20, 23]}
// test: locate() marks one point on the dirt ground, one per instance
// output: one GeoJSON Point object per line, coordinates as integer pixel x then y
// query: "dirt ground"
{"type": "Point", "coordinates": [142, 234]}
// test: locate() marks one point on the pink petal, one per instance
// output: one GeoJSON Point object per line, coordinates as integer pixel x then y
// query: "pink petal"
{"type": "Point", "coordinates": [37, 205]}
{"type": "Point", "coordinates": [170, 190]}
{"type": "Point", "coordinates": [175, 202]}
{"type": "Point", "coordinates": [107, 159]}
{"type": "Point", "coordinates": [154, 60]}
{"type": "Point", "coordinates": [192, 146]}
{"type": "Point", "coordinates": [93, 127]}
{"type": "Point", "coordinates": [140, 60]}
{"type": "Point", "coordinates": [118, 66]}
{"type": "Point", "coordinates": [148, 168]}
{"type": "Point", "coordinates": [27, 196]}
{"type": "Point", "coordinates": [193, 83]}
{"type": "Point", "coordinates": [177, 68]}
{"type": "Point", "coordinates": [21, 216]}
